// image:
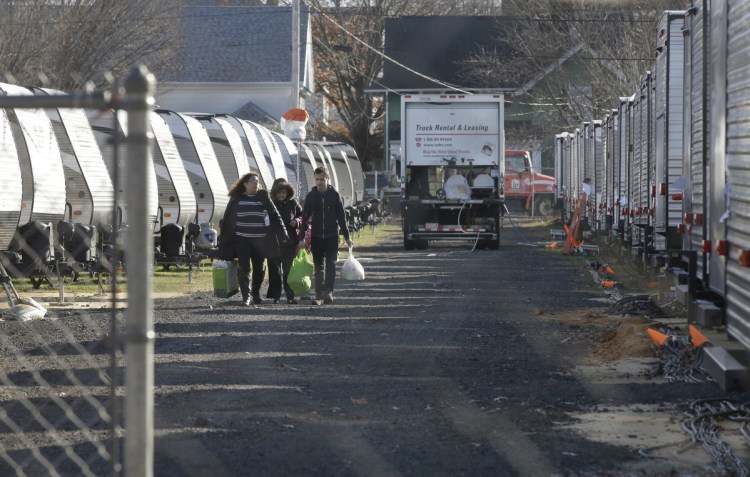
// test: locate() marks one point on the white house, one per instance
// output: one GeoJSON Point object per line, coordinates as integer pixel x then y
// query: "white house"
{"type": "Point", "coordinates": [238, 60]}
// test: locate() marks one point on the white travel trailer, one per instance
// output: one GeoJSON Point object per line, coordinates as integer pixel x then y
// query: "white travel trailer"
{"type": "Point", "coordinates": [289, 153]}
{"type": "Point", "coordinates": [227, 145]}
{"type": "Point", "coordinates": [355, 167]}
{"type": "Point", "coordinates": [270, 152]}
{"type": "Point", "coordinates": [89, 189]}
{"type": "Point", "coordinates": [201, 165]}
{"type": "Point", "coordinates": [253, 150]}
{"type": "Point", "coordinates": [11, 185]}
{"type": "Point", "coordinates": [308, 164]}
{"type": "Point", "coordinates": [39, 157]}
{"type": "Point", "coordinates": [109, 132]}
{"type": "Point", "coordinates": [324, 159]}
{"type": "Point", "coordinates": [175, 195]}
{"type": "Point", "coordinates": [344, 173]}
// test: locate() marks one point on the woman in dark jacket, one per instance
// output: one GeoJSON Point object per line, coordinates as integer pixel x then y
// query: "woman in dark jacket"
{"type": "Point", "coordinates": [243, 233]}
{"type": "Point", "coordinates": [281, 253]}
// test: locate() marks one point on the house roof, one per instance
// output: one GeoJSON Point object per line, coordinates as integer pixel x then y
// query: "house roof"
{"type": "Point", "coordinates": [238, 44]}
{"type": "Point", "coordinates": [253, 112]}
{"type": "Point", "coordinates": [433, 46]}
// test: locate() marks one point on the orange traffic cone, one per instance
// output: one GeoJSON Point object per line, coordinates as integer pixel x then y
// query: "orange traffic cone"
{"type": "Point", "coordinates": [610, 271]}
{"type": "Point", "coordinates": [658, 337]}
{"type": "Point", "coordinates": [697, 337]}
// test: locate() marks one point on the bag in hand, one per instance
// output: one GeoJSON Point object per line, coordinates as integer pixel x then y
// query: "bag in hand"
{"type": "Point", "coordinates": [352, 269]}
{"type": "Point", "coordinates": [301, 272]}
{"type": "Point", "coordinates": [225, 278]}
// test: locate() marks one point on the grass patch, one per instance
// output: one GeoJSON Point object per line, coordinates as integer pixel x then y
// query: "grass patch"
{"type": "Point", "coordinates": [177, 279]}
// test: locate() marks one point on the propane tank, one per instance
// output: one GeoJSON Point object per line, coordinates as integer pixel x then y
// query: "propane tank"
{"type": "Point", "coordinates": [206, 239]}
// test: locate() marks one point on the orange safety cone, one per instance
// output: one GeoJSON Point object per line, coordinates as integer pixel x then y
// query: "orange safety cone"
{"type": "Point", "coordinates": [658, 337]}
{"type": "Point", "coordinates": [697, 337]}
{"type": "Point", "coordinates": [610, 271]}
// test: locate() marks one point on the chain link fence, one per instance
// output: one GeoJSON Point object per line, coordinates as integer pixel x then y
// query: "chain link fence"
{"type": "Point", "coordinates": [63, 333]}
{"type": "Point", "coordinates": [387, 189]}
{"type": "Point", "coordinates": [529, 204]}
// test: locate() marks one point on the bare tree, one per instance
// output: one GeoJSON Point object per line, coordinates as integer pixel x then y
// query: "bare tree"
{"type": "Point", "coordinates": [575, 57]}
{"type": "Point", "coordinates": [348, 44]}
{"type": "Point", "coordinates": [66, 44]}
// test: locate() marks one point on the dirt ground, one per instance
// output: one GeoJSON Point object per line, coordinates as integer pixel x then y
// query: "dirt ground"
{"type": "Point", "coordinates": [441, 362]}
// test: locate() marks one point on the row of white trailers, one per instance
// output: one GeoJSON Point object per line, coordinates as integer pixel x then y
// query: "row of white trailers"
{"type": "Point", "coordinates": [670, 164]}
{"type": "Point", "coordinates": [63, 164]}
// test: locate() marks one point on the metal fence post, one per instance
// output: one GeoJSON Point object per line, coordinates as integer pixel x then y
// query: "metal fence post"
{"type": "Point", "coordinates": [139, 375]}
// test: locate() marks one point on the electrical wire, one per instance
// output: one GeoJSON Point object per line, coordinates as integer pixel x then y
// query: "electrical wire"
{"type": "Point", "coordinates": [462, 227]}
{"type": "Point", "coordinates": [523, 239]}
{"type": "Point", "coordinates": [386, 57]}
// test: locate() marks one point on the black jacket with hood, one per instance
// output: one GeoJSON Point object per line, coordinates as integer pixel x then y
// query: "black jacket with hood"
{"type": "Point", "coordinates": [289, 209]}
{"type": "Point", "coordinates": [327, 213]}
{"type": "Point", "coordinates": [229, 223]}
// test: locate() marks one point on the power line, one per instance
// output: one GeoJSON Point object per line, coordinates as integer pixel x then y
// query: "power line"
{"type": "Point", "coordinates": [386, 57]}
{"type": "Point", "coordinates": [543, 57]}
{"type": "Point", "coordinates": [359, 13]}
{"type": "Point", "coordinates": [148, 18]}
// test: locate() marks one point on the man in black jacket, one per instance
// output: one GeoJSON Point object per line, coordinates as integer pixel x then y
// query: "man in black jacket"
{"type": "Point", "coordinates": [324, 212]}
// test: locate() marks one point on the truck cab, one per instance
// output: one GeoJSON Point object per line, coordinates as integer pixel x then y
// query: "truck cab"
{"type": "Point", "coordinates": [525, 189]}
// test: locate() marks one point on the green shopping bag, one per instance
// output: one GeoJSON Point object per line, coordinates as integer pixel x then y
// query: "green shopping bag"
{"type": "Point", "coordinates": [301, 272]}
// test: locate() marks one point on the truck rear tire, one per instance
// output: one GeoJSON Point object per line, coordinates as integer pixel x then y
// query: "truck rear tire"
{"type": "Point", "coordinates": [422, 244]}
{"type": "Point", "coordinates": [408, 244]}
{"type": "Point", "coordinates": [544, 206]}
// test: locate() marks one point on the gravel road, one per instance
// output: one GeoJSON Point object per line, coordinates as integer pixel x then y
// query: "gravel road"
{"type": "Point", "coordinates": [442, 362]}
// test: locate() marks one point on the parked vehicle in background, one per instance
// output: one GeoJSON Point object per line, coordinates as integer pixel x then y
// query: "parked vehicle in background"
{"type": "Point", "coordinates": [451, 178]}
{"type": "Point", "coordinates": [526, 189]}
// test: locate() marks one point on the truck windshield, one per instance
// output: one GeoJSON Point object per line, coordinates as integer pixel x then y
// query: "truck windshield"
{"type": "Point", "coordinates": [516, 163]}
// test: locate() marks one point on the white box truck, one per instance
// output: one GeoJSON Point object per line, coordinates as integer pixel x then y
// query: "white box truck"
{"type": "Point", "coordinates": [452, 171]}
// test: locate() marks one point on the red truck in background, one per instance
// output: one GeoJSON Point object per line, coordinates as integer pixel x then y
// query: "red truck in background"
{"type": "Point", "coordinates": [525, 188]}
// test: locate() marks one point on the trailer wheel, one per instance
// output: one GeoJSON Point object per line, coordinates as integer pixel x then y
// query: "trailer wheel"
{"type": "Point", "coordinates": [408, 244]}
{"type": "Point", "coordinates": [422, 244]}
{"type": "Point", "coordinates": [493, 244]}
{"type": "Point", "coordinates": [544, 206]}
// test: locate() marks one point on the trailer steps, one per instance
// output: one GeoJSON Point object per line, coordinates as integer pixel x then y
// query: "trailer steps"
{"type": "Point", "coordinates": [705, 313]}
{"type": "Point", "coordinates": [557, 234]}
{"type": "Point", "coordinates": [725, 368]}
{"type": "Point", "coordinates": [589, 250]}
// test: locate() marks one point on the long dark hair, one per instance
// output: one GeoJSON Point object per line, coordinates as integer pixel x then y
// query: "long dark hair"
{"type": "Point", "coordinates": [239, 186]}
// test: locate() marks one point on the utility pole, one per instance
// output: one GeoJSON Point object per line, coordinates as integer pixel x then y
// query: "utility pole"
{"type": "Point", "coordinates": [294, 99]}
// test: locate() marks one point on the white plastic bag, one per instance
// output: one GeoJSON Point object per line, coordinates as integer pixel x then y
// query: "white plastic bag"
{"type": "Point", "coordinates": [352, 269]}
{"type": "Point", "coordinates": [25, 309]}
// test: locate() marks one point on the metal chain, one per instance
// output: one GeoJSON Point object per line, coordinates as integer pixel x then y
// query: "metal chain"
{"type": "Point", "coordinates": [701, 423]}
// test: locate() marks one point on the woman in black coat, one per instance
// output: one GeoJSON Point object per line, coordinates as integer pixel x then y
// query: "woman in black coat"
{"type": "Point", "coordinates": [280, 252]}
{"type": "Point", "coordinates": [246, 223]}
